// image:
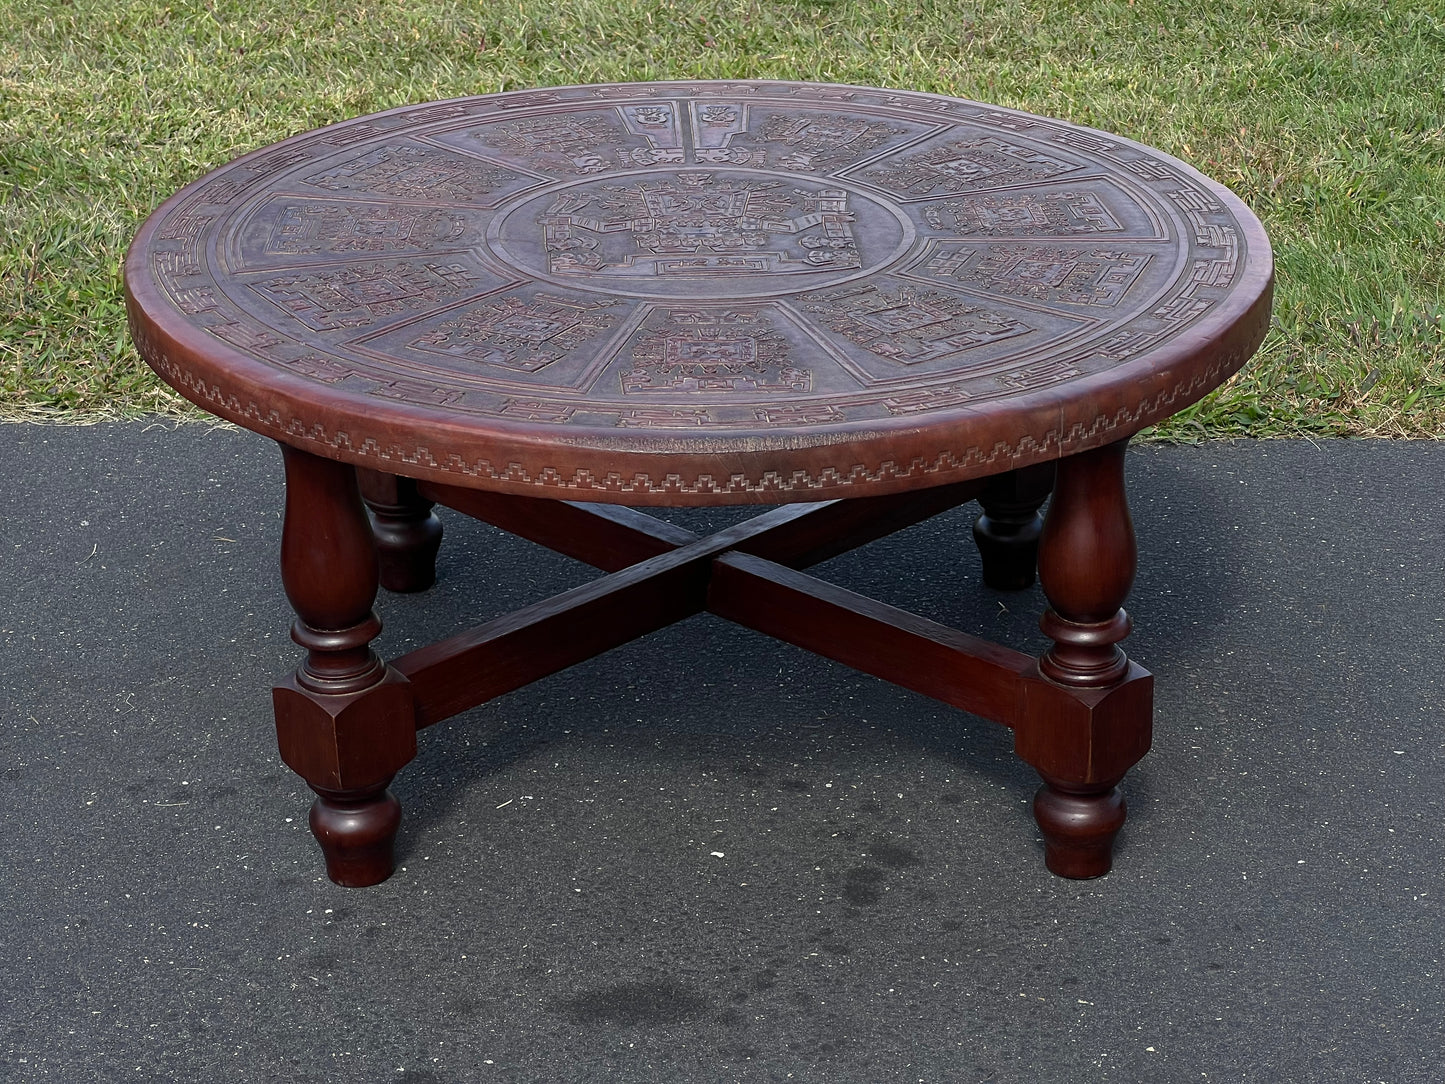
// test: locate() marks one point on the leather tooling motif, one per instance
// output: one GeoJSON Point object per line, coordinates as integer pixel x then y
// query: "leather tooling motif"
{"type": "Point", "coordinates": [514, 333]}
{"type": "Point", "coordinates": [411, 173]}
{"type": "Point", "coordinates": [728, 353]}
{"type": "Point", "coordinates": [360, 295]}
{"type": "Point", "coordinates": [693, 223]}
{"type": "Point", "coordinates": [1022, 214]}
{"type": "Point", "coordinates": [910, 325]}
{"type": "Point", "coordinates": [967, 165]}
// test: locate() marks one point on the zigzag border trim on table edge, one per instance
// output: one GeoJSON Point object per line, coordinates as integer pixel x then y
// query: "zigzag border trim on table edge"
{"type": "Point", "coordinates": [513, 476]}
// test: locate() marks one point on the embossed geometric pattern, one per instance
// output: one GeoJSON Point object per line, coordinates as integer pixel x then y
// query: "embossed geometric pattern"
{"type": "Point", "coordinates": [361, 294]}
{"type": "Point", "coordinates": [724, 352]}
{"type": "Point", "coordinates": [516, 334]}
{"type": "Point", "coordinates": [410, 171]}
{"type": "Point", "coordinates": [1023, 214]}
{"type": "Point", "coordinates": [712, 258]}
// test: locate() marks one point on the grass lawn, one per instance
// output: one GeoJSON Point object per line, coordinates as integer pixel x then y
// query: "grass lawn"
{"type": "Point", "coordinates": [1326, 116]}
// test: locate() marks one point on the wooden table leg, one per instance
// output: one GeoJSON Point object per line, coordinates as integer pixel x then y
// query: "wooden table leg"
{"type": "Point", "coordinates": [1007, 531]}
{"type": "Point", "coordinates": [345, 721]}
{"type": "Point", "coordinates": [408, 534]}
{"type": "Point", "coordinates": [1087, 710]}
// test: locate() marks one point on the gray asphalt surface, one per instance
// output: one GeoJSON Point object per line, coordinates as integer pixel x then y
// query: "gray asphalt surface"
{"type": "Point", "coordinates": [708, 856]}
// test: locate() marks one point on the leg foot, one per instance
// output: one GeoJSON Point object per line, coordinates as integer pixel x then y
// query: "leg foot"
{"type": "Point", "coordinates": [408, 534]}
{"type": "Point", "coordinates": [1009, 551]}
{"type": "Point", "coordinates": [1079, 829]}
{"type": "Point", "coordinates": [345, 722]}
{"type": "Point", "coordinates": [1007, 532]}
{"type": "Point", "coordinates": [356, 830]}
{"type": "Point", "coordinates": [1086, 709]}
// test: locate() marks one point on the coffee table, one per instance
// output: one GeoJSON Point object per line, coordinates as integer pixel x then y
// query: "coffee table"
{"type": "Point", "coordinates": [543, 309]}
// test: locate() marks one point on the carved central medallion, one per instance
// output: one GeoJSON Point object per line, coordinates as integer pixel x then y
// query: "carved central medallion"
{"type": "Point", "coordinates": [700, 233]}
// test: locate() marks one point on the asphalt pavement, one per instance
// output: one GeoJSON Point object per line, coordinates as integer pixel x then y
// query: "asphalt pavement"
{"type": "Point", "coordinates": [708, 856]}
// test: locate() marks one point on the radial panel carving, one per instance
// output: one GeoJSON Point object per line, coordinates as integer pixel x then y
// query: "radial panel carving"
{"type": "Point", "coordinates": [698, 257]}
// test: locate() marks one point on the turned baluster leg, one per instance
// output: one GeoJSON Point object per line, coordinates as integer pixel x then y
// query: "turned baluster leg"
{"type": "Point", "coordinates": [344, 721]}
{"type": "Point", "coordinates": [1007, 532]}
{"type": "Point", "coordinates": [1088, 708]}
{"type": "Point", "coordinates": [407, 533]}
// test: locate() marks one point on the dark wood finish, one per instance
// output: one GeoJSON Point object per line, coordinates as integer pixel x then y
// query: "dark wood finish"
{"type": "Point", "coordinates": [1083, 744]}
{"type": "Point", "coordinates": [408, 534]}
{"type": "Point", "coordinates": [700, 293]}
{"type": "Point", "coordinates": [449, 677]}
{"type": "Point", "coordinates": [499, 656]}
{"type": "Point", "coordinates": [604, 536]}
{"type": "Point", "coordinates": [1087, 561]}
{"type": "Point", "coordinates": [664, 576]}
{"type": "Point", "coordinates": [870, 636]}
{"type": "Point", "coordinates": [345, 721]}
{"type": "Point", "coordinates": [1007, 530]}
{"type": "Point", "coordinates": [357, 832]}
{"type": "Point", "coordinates": [1079, 828]}
{"type": "Point", "coordinates": [613, 538]}
{"type": "Point", "coordinates": [869, 305]}
{"type": "Point", "coordinates": [836, 527]}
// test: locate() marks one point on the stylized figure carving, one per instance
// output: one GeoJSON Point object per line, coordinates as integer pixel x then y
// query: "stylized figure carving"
{"type": "Point", "coordinates": [1023, 214]}
{"type": "Point", "coordinates": [694, 223]}
{"type": "Point", "coordinates": [566, 143]}
{"type": "Point", "coordinates": [727, 353]}
{"type": "Point", "coordinates": [1079, 276]}
{"type": "Point", "coordinates": [772, 299]}
{"type": "Point", "coordinates": [968, 164]}
{"type": "Point", "coordinates": [514, 333]}
{"type": "Point", "coordinates": [911, 326]}
{"type": "Point", "coordinates": [410, 172]}
{"type": "Point", "coordinates": [360, 295]}
{"type": "Point", "coordinates": [333, 228]}
{"type": "Point", "coordinates": [820, 141]}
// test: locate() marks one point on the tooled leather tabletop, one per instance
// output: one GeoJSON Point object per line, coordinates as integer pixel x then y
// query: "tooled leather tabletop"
{"type": "Point", "coordinates": [691, 293]}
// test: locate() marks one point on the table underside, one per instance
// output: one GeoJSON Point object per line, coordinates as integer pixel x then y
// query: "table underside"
{"type": "Point", "coordinates": [347, 721]}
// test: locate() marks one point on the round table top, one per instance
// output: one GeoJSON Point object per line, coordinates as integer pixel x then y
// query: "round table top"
{"type": "Point", "coordinates": [695, 293]}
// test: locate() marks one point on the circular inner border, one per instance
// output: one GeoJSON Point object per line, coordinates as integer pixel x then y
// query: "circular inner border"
{"type": "Point", "coordinates": [772, 284]}
{"type": "Point", "coordinates": [246, 375]}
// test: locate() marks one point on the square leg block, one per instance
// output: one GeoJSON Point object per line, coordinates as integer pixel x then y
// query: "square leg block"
{"type": "Point", "coordinates": [1085, 736]}
{"type": "Point", "coordinates": [346, 742]}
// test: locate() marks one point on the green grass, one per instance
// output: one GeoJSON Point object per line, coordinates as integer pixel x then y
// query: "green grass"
{"type": "Point", "coordinates": [1328, 118]}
